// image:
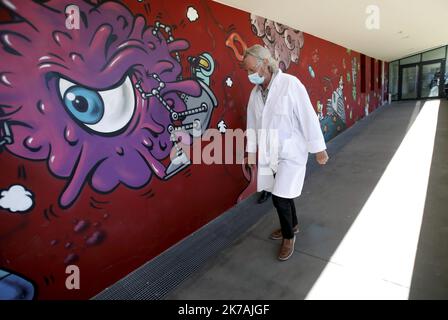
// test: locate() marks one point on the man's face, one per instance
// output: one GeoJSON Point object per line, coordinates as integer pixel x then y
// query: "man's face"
{"type": "Point", "coordinates": [252, 65]}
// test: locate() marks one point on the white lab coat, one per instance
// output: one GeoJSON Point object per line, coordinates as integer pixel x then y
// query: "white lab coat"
{"type": "Point", "coordinates": [285, 130]}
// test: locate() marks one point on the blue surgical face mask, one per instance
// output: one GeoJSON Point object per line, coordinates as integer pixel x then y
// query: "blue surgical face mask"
{"type": "Point", "coordinates": [255, 78]}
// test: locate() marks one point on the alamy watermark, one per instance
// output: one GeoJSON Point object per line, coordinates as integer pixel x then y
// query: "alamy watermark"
{"type": "Point", "coordinates": [214, 147]}
{"type": "Point", "coordinates": [73, 279]}
{"type": "Point", "coordinates": [73, 17]}
{"type": "Point", "coordinates": [372, 21]}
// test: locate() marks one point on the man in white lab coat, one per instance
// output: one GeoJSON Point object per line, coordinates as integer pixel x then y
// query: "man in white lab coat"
{"type": "Point", "coordinates": [283, 126]}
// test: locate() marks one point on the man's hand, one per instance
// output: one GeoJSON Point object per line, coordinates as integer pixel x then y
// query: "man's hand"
{"type": "Point", "coordinates": [322, 157]}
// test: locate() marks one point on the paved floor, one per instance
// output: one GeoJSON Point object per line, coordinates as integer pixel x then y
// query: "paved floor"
{"type": "Point", "coordinates": [332, 207]}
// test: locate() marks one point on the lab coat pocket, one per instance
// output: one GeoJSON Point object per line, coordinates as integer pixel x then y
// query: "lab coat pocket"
{"type": "Point", "coordinates": [282, 119]}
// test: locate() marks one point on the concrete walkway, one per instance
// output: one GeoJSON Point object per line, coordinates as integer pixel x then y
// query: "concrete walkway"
{"type": "Point", "coordinates": [329, 213]}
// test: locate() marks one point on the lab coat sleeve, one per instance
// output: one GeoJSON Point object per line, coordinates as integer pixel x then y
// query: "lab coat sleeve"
{"type": "Point", "coordinates": [251, 130]}
{"type": "Point", "coordinates": [308, 119]}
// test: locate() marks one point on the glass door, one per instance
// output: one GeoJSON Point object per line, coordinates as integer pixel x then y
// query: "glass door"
{"type": "Point", "coordinates": [408, 82]}
{"type": "Point", "coordinates": [424, 80]}
{"type": "Point", "coordinates": [431, 80]}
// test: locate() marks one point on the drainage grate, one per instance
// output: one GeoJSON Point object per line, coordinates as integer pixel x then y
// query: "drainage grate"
{"type": "Point", "coordinates": [158, 277]}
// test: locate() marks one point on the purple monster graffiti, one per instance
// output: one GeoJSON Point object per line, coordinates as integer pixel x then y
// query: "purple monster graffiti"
{"type": "Point", "coordinates": [102, 104]}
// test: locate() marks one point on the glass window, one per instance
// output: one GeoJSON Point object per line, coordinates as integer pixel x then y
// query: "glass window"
{"type": "Point", "coordinates": [409, 82]}
{"type": "Point", "coordinates": [412, 59]}
{"type": "Point", "coordinates": [393, 79]}
{"type": "Point", "coordinates": [446, 75]}
{"type": "Point", "coordinates": [446, 69]}
{"type": "Point", "coordinates": [431, 78]}
{"type": "Point", "coordinates": [435, 54]}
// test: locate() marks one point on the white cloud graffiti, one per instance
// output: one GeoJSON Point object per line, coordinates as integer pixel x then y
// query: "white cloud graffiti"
{"type": "Point", "coordinates": [192, 14]}
{"type": "Point", "coordinates": [16, 199]}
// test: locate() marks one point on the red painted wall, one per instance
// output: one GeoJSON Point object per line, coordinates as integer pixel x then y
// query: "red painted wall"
{"type": "Point", "coordinates": [109, 234]}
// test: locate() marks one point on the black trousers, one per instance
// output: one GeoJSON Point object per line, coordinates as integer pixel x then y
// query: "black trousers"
{"type": "Point", "coordinates": [286, 211]}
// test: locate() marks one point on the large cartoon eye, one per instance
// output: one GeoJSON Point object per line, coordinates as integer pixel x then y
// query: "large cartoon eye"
{"type": "Point", "coordinates": [86, 105]}
{"type": "Point", "coordinates": [102, 111]}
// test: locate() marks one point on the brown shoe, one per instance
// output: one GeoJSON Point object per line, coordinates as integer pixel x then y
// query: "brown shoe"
{"type": "Point", "coordinates": [286, 249]}
{"type": "Point", "coordinates": [277, 234]}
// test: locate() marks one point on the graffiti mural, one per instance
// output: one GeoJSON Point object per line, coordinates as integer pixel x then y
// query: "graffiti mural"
{"type": "Point", "coordinates": [14, 287]}
{"type": "Point", "coordinates": [283, 42]}
{"type": "Point", "coordinates": [111, 97]}
{"type": "Point", "coordinates": [334, 120]}
{"type": "Point", "coordinates": [98, 100]}
{"type": "Point", "coordinates": [354, 77]}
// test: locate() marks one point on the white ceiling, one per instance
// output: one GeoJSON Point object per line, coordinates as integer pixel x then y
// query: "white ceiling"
{"type": "Point", "coordinates": [405, 26]}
